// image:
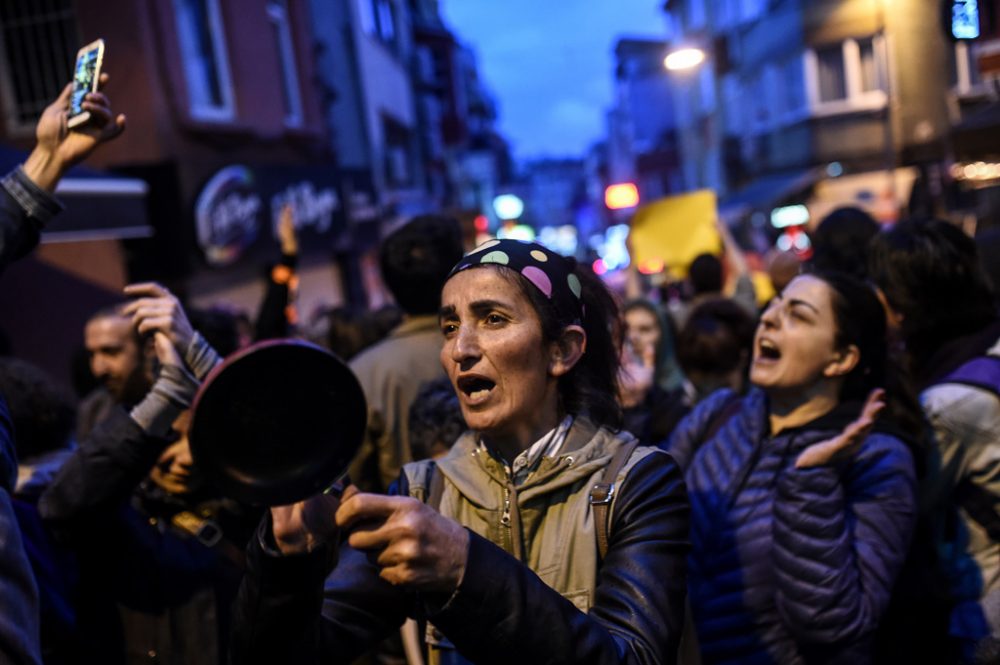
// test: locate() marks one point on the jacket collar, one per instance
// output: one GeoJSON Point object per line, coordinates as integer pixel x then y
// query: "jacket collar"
{"type": "Point", "coordinates": [586, 449]}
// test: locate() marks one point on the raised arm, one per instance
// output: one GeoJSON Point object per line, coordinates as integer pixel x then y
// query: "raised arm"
{"type": "Point", "coordinates": [27, 203]}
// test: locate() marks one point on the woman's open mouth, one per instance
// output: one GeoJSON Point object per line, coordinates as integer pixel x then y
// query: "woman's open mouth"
{"type": "Point", "coordinates": [768, 351]}
{"type": "Point", "coordinates": [475, 388]}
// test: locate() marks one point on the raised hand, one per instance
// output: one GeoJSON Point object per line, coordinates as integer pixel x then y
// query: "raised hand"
{"type": "Point", "coordinates": [416, 547]}
{"type": "Point", "coordinates": [845, 444]}
{"type": "Point", "coordinates": [59, 147]}
{"type": "Point", "coordinates": [155, 309]}
{"type": "Point", "coordinates": [286, 231]}
{"type": "Point", "coordinates": [638, 371]}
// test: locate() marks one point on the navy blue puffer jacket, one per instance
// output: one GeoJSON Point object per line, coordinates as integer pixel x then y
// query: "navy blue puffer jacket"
{"type": "Point", "coordinates": [790, 565]}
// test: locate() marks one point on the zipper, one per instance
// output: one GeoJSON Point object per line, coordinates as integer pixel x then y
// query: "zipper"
{"type": "Point", "coordinates": [510, 521]}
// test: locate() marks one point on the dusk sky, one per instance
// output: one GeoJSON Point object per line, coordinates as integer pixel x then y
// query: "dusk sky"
{"type": "Point", "coordinates": [549, 63]}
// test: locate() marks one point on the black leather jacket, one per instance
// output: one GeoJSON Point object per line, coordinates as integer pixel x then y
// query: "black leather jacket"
{"type": "Point", "coordinates": [501, 613]}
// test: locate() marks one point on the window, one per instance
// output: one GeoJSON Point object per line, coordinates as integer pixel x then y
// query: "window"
{"type": "Point", "coordinates": [396, 155]}
{"type": "Point", "coordinates": [39, 43]}
{"type": "Point", "coordinates": [378, 19]}
{"type": "Point", "coordinates": [846, 77]}
{"type": "Point", "coordinates": [206, 64]}
{"type": "Point", "coordinates": [832, 74]}
{"type": "Point", "coordinates": [966, 78]}
{"type": "Point", "coordinates": [872, 76]}
{"type": "Point", "coordinates": [277, 14]}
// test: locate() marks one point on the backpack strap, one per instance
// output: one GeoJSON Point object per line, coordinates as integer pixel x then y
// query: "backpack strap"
{"type": "Point", "coordinates": [603, 493]}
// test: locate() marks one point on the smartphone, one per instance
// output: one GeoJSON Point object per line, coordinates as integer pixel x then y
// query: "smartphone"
{"type": "Point", "coordinates": [85, 78]}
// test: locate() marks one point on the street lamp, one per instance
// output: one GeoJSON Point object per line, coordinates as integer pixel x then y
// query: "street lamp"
{"type": "Point", "coordinates": [684, 59]}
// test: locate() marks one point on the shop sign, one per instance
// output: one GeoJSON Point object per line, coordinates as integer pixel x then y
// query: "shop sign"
{"type": "Point", "coordinates": [239, 209]}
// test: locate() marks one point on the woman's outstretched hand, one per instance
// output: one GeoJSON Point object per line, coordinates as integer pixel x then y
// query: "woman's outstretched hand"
{"type": "Point", "coordinates": [848, 441]}
{"type": "Point", "coordinates": [414, 545]}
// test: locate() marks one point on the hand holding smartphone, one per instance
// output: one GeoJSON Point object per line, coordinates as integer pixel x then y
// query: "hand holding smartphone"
{"type": "Point", "coordinates": [86, 75]}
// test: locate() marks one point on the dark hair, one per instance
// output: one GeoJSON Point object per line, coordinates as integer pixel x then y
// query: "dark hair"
{"type": "Point", "coordinates": [591, 387]}
{"type": "Point", "coordinates": [860, 321]}
{"type": "Point", "coordinates": [668, 374]}
{"type": "Point", "coordinates": [840, 242]}
{"type": "Point", "coordinates": [716, 339]}
{"type": "Point", "coordinates": [115, 311]}
{"type": "Point", "coordinates": [415, 261]}
{"type": "Point", "coordinates": [988, 245]}
{"type": "Point", "coordinates": [705, 274]}
{"type": "Point", "coordinates": [929, 271]}
{"type": "Point", "coordinates": [435, 417]}
{"type": "Point", "coordinates": [43, 412]}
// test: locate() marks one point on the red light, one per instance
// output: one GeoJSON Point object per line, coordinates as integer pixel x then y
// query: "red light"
{"type": "Point", "coordinates": [482, 223]}
{"type": "Point", "coordinates": [599, 267]}
{"type": "Point", "coordinates": [623, 195]}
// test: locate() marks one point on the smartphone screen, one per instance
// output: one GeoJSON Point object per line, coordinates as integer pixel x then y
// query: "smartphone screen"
{"type": "Point", "coordinates": [83, 79]}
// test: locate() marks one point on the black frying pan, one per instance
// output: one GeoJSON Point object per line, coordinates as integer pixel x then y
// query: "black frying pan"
{"type": "Point", "coordinates": [277, 422]}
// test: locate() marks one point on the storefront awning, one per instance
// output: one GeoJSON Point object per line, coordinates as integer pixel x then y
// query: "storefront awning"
{"type": "Point", "coordinates": [766, 192]}
{"type": "Point", "coordinates": [977, 136]}
{"type": "Point", "coordinates": [99, 205]}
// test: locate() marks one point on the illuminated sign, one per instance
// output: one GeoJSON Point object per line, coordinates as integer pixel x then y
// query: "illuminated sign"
{"type": "Point", "coordinates": [965, 19]}
{"type": "Point", "coordinates": [620, 196]}
{"type": "Point", "coordinates": [797, 215]}
{"type": "Point", "coordinates": [239, 209]}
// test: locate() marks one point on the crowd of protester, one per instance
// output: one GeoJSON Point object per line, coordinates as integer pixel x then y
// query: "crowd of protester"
{"type": "Point", "coordinates": [550, 472]}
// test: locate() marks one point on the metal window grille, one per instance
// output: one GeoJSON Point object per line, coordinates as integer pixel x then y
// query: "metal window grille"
{"type": "Point", "coordinates": [38, 43]}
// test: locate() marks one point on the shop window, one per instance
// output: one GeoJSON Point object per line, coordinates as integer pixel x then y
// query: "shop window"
{"type": "Point", "coordinates": [201, 34]}
{"type": "Point", "coordinates": [277, 14]}
{"type": "Point", "coordinates": [39, 44]}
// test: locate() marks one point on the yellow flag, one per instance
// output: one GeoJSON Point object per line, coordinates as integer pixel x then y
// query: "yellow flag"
{"type": "Point", "coordinates": [672, 231]}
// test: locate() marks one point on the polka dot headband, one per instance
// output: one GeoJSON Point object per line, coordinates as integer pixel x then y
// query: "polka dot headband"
{"type": "Point", "coordinates": [550, 273]}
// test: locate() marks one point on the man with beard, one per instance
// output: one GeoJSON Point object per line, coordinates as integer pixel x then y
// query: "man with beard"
{"type": "Point", "coordinates": [120, 361]}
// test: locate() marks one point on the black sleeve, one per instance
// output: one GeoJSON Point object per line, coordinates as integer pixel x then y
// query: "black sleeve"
{"type": "Point", "coordinates": [284, 612]}
{"type": "Point", "coordinates": [101, 474]}
{"type": "Point", "coordinates": [19, 624]}
{"type": "Point", "coordinates": [272, 319]}
{"type": "Point", "coordinates": [24, 209]}
{"type": "Point", "coordinates": [504, 613]}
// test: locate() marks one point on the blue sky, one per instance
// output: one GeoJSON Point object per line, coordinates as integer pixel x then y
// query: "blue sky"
{"type": "Point", "coordinates": [549, 63]}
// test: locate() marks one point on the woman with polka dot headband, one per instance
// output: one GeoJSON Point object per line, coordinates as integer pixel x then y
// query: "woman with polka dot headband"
{"type": "Point", "coordinates": [545, 535]}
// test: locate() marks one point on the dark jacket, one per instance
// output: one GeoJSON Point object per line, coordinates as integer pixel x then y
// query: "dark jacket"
{"type": "Point", "coordinates": [502, 611]}
{"type": "Point", "coordinates": [24, 210]}
{"type": "Point", "coordinates": [144, 583]}
{"type": "Point", "coordinates": [19, 629]}
{"type": "Point", "coordinates": [791, 565]}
